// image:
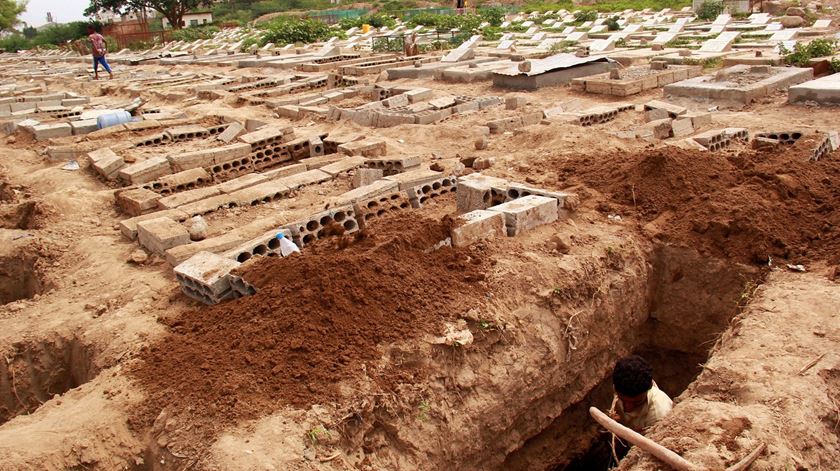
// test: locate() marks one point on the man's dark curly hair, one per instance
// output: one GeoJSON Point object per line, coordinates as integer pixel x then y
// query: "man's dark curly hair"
{"type": "Point", "coordinates": [632, 376]}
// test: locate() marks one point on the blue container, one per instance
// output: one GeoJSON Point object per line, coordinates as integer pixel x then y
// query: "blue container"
{"type": "Point", "coordinates": [113, 119]}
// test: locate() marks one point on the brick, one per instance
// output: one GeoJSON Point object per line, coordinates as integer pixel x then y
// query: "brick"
{"type": "Point", "coordinates": [313, 163]}
{"type": "Point", "coordinates": [699, 120]}
{"type": "Point", "coordinates": [184, 180]}
{"type": "Point", "coordinates": [391, 165]}
{"type": "Point", "coordinates": [656, 114]}
{"type": "Point", "coordinates": [186, 197]}
{"type": "Point", "coordinates": [233, 131]}
{"type": "Point", "coordinates": [476, 192]}
{"type": "Point", "coordinates": [146, 171]}
{"type": "Point", "coordinates": [660, 129]}
{"type": "Point", "coordinates": [309, 177]}
{"type": "Point", "coordinates": [204, 277]}
{"type": "Point", "coordinates": [414, 178]}
{"type": "Point", "coordinates": [673, 110]}
{"type": "Point", "coordinates": [109, 165]}
{"type": "Point", "coordinates": [142, 125]}
{"type": "Point", "coordinates": [159, 235]}
{"type": "Point", "coordinates": [97, 155]}
{"type": "Point", "coordinates": [48, 131]}
{"type": "Point", "coordinates": [84, 126]}
{"type": "Point", "coordinates": [343, 165]}
{"type": "Point", "coordinates": [218, 244]}
{"type": "Point", "coordinates": [682, 127]}
{"type": "Point", "coordinates": [366, 192]}
{"type": "Point", "coordinates": [365, 147]}
{"type": "Point", "coordinates": [526, 213]}
{"type": "Point", "coordinates": [207, 205]}
{"type": "Point", "coordinates": [128, 227]}
{"type": "Point", "coordinates": [190, 131]}
{"type": "Point", "coordinates": [230, 152]}
{"type": "Point", "coordinates": [262, 193]}
{"type": "Point", "coordinates": [286, 171]}
{"type": "Point", "coordinates": [477, 225]}
{"type": "Point", "coordinates": [137, 201]}
{"type": "Point", "coordinates": [366, 176]}
{"type": "Point", "coordinates": [239, 183]}
{"type": "Point", "coordinates": [267, 135]}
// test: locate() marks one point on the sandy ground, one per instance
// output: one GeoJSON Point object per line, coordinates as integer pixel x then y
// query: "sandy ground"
{"type": "Point", "coordinates": [556, 308]}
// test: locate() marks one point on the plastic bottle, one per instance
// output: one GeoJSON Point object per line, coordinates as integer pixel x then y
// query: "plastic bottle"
{"type": "Point", "coordinates": [113, 119]}
{"type": "Point", "coordinates": [287, 247]}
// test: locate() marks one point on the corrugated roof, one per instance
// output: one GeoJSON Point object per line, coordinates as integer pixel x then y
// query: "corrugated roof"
{"type": "Point", "coordinates": [557, 61]}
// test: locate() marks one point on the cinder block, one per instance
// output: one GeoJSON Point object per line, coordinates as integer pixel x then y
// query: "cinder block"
{"type": "Point", "coordinates": [414, 178]}
{"type": "Point", "coordinates": [699, 120]}
{"type": "Point", "coordinates": [477, 225]}
{"type": "Point", "coordinates": [161, 234]}
{"type": "Point", "coordinates": [182, 133]}
{"type": "Point", "coordinates": [526, 213]}
{"type": "Point", "coordinates": [186, 197]}
{"type": "Point", "coordinates": [181, 181]}
{"type": "Point", "coordinates": [392, 165]}
{"type": "Point", "coordinates": [661, 128]}
{"type": "Point", "coordinates": [264, 245]}
{"type": "Point", "coordinates": [365, 147]}
{"type": "Point", "coordinates": [233, 131]}
{"type": "Point", "coordinates": [128, 227]}
{"type": "Point", "coordinates": [515, 101]}
{"type": "Point", "coordinates": [379, 187]}
{"type": "Point", "coordinates": [656, 114]}
{"type": "Point", "coordinates": [421, 194]}
{"type": "Point", "coordinates": [267, 135]}
{"type": "Point", "coordinates": [332, 222]}
{"type": "Point", "coordinates": [218, 244]}
{"type": "Point", "coordinates": [204, 277]}
{"type": "Point", "coordinates": [314, 163]}
{"type": "Point", "coordinates": [242, 182]}
{"type": "Point", "coordinates": [476, 191]}
{"type": "Point", "coordinates": [285, 171]}
{"type": "Point", "coordinates": [83, 126]}
{"type": "Point", "coordinates": [343, 165]}
{"type": "Point", "coordinates": [673, 110]}
{"type": "Point", "coordinates": [309, 177]}
{"type": "Point", "coordinates": [682, 127]}
{"type": "Point", "coordinates": [137, 201]}
{"type": "Point", "coordinates": [146, 171]}
{"type": "Point", "coordinates": [366, 176]}
{"type": "Point", "coordinates": [108, 164]}
{"type": "Point", "coordinates": [48, 131]}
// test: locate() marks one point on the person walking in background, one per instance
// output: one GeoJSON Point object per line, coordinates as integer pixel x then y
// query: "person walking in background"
{"type": "Point", "coordinates": [98, 49]}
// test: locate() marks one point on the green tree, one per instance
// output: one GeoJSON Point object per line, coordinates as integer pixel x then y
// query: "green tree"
{"type": "Point", "coordinates": [172, 10]}
{"type": "Point", "coordinates": [10, 10]}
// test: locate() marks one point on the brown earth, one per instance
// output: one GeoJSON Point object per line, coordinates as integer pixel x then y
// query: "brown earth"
{"type": "Point", "coordinates": [315, 321]}
{"type": "Point", "coordinates": [743, 204]}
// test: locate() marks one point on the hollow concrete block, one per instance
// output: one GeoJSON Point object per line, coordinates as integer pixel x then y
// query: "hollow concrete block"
{"type": "Point", "coordinates": [161, 234]}
{"type": "Point", "coordinates": [526, 213]}
{"type": "Point", "coordinates": [477, 225]}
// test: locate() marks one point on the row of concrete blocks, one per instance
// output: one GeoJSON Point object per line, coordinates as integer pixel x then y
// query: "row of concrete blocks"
{"type": "Point", "coordinates": [494, 207]}
{"type": "Point", "coordinates": [180, 134]}
{"type": "Point", "coordinates": [263, 83]}
{"type": "Point", "coordinates": [602, 114]}
{"type": "Point", "coordinates": [207, 277]}
{"type": "Point", "coordinates": [829, 144]}
{"type": "Point", "coordinates": [178, 182]}
{"type": "Point", "coordinates": [717, 139]}
{"type": "Point", "coordinates": [782, 137]}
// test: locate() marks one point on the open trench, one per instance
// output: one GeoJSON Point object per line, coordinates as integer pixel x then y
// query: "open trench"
{"type": "Point", "coordinates": [691, 300]}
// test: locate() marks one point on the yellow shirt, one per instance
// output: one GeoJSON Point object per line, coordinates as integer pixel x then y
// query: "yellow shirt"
{"type": "Point", "coordinates": [657, 406]}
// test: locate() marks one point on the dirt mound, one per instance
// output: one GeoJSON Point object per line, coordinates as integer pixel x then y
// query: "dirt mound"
{"type": "Point", "coordinates": [744, 204]}
{"type": "Point", "coordinates": [316, 320]}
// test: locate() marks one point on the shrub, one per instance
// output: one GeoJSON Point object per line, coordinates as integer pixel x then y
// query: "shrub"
{"type": "Point", "coordinates": [493, 15]}
{"type": "Point", "coordinates": [710, 9]}
{"type": "Point", "coordinates": [585, 15]}
{"type": "Point", "coordinates": [289, 30]}
{"type": "Point", "coordinates": [14, 43]}
{"type": "Point", "coordinates": [194, 33]}
{"type": "Point", "coordinates": [612, 24]}
{"type": "Point", "coordinates": [377, 20]}
{"type": "Point", "coordinates": [802, 54]}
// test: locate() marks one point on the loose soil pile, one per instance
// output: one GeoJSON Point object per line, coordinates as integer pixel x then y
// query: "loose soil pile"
{"type": "Point", "coordinates": [316, 320]}
{"type": "Point", "coordinates": [746, 205]}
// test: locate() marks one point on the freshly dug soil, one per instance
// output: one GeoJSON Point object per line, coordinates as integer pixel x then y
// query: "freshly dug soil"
{"type": "Point", "coordinates": [317, 319]}
{"type": "Point", "coordinates": [745, 205]}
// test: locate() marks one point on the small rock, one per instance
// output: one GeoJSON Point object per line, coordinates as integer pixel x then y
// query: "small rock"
{"type": "Point", "coordinates": [796, 11]}
{"type": "Point", "coordinates": [138, 257]}
{"type": "Point", "coordinates": [792, 21]}
{"type": "Point", "coordinates": [198, 228]}
{"type": "Point", "coordinates": [481, 143]}
{"type": "Point", "coordinates": [437, 167]}
{"type": "Point", "coordinates": [560, 244]}
{"type": "Point", "coordinates": [459, 169]}
{"type": "Point", "coordinates": [11, 140]}
{"type": "Point", "coordinates": [483, 163]}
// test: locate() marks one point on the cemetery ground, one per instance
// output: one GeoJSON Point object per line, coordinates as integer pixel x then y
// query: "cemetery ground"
{"type": "Point", "coordinates": [473, 261]}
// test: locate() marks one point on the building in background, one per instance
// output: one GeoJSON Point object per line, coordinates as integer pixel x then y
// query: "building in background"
{"type": "Point", "coordinates": [193, 18]}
